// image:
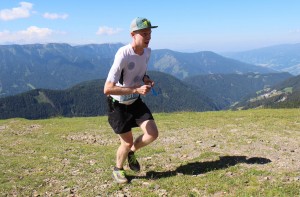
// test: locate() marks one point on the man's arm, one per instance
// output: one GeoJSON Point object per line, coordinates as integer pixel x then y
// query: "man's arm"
{"type": "Point", "coordinates": [111, 88]}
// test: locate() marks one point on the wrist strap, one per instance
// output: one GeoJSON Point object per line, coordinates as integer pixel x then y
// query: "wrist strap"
{"type": "Point", "coordinates": [146, 76]}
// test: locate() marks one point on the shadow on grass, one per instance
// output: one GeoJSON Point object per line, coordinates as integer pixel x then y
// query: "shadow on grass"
{"type": "Point", "coordinates": [197, 168]}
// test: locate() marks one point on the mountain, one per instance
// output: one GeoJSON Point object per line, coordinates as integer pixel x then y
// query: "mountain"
{"type": "Point", "coordinates": [87, 99]}
{"type": "Point", "coordinates": [60, 66]}
{"type": "Point", "coordinates": [227, 89]}
{"type": "Point", "coordinates": [283, 95]}
{"type": "Point", "coordinates": [184, 65]}
{"type": "Point", "coordinates": [283, 58]}
{"type": "Point", "coordinates": [53, 66]}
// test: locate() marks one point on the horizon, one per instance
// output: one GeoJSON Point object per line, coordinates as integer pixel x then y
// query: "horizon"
{"type": "Point", "coordinates": [216, 25]}
{"type": "Point", "coordinates": [220, 53]}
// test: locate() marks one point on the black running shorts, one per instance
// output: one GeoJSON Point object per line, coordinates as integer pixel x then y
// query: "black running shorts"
{"type": "Point", "coordinates": [122, 118]}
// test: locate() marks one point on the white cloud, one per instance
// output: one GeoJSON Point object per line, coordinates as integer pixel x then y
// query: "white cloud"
{"type": "Point", "coordinates": [104, 30]}
{"type": "Point", "coordinates": [55, 16]}
{"type": "Point", "coordinates": [32, 34]}
{"type": "Point", "coordinates": [34, 31]}
{"type": "Point", "coordinates": [18, 12]}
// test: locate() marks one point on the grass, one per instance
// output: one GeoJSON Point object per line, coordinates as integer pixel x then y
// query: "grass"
{"type": "Point", "coordinates": [225, 153]}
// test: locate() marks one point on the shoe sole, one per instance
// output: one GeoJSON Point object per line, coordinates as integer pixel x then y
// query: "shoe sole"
{"type": "Point", "coordinates": [135, 170]}
{"type": "Point", "coordinates": [119, 181]}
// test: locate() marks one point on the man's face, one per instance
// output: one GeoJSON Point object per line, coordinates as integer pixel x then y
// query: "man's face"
{"type": "Point", "coordinates": [142, 37]}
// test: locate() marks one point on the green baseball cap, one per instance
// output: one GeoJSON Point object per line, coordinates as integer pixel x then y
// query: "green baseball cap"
{"type": "Point", "coordinates": [140, 23]}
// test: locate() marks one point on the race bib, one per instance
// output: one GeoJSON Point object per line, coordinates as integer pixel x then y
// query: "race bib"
{"type": "Point", "coordinates": [128, 98]}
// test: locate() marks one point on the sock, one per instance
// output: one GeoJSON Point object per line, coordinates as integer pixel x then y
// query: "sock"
{"type": "Point", "coordinates": [117, 169]}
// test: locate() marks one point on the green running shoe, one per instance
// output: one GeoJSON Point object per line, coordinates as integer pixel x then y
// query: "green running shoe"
{"type": "Point", "coordinates": [119, 176]}
{"type": "Point", "coordinates": [133, 163]}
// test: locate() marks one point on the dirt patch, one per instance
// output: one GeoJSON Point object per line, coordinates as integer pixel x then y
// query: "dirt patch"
{"type": "Point", "coordinates": [22, 130]}
{"type": "Point", "coordinates": [282, 151]}
{"type": "Point", "coordinates": [92, 139]}
{"type": "Point", "coordinates": [3, 128]}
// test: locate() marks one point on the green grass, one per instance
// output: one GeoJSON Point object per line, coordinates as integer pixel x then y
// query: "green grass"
{"type": "Point", "coordinates": [226, 153]}
{"type": "Point", "coordinates": [288, 90]}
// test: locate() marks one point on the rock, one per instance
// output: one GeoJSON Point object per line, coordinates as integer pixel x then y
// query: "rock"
{"type": "Point", "coordinates": [146, 184]}
{"type": "Point", "coordinates": [297, 178]}
{"type": "Point", "coordinates": [267, 178]}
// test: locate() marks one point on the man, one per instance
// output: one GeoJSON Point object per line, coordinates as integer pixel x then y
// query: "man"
{"type": "Point", "coordinates": [126, 81]}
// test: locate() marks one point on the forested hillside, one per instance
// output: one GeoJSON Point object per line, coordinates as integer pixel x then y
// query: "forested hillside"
{"type": "Point", "coordinates": [226, 89]}
{"type": "Point", "coordinates": [201, 93]}
{"type": "Point", "coordinates": [87, 99]}
{"type": "Point", "coordinates": [282, 95]}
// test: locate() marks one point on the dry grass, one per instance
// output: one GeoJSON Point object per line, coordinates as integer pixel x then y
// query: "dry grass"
{"type": "Point", "coordinates": [241, 153]}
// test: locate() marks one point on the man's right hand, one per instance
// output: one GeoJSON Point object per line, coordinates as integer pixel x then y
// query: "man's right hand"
{"type": "Point", "coordinates": [144, 89]}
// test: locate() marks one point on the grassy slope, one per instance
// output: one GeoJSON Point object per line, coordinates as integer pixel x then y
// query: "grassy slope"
{"type": "Point", "coordinates": [241, 153]}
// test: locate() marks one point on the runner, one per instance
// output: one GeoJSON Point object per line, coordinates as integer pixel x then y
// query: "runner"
{"type": "Point", "coordinates": [126, 81]}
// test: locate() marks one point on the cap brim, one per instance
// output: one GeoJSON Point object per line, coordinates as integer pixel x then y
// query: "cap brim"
{"type": "Point", "coordinates": [136, 29]}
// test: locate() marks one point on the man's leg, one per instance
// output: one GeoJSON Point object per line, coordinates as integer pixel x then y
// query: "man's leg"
{"type": "Point", "coordinates": [126, 142]}
{"type": "Point", "coordinates": [150, 133]}
{"type": "Point", "coordinates": [122, 152]}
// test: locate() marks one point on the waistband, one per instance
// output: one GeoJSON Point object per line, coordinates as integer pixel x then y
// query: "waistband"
{"type": "Point", "coordinates": [116, 101]}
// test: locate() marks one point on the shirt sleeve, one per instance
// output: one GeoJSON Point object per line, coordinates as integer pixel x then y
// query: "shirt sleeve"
{"type": "Point", "coordinates": [116, 69]}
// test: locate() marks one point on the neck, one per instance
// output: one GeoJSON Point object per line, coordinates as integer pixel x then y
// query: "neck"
{"type": "Point", "coordinates": [137, 50]}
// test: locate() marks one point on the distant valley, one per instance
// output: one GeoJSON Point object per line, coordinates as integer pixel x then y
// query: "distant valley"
{"type": "Point", "coordinates": [283, 58]}
{"type": "Point", "coordinates": [283, 95]}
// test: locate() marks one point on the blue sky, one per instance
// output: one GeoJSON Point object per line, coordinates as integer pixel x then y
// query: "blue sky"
{"type": "Point", "coordinates": [189, 25]}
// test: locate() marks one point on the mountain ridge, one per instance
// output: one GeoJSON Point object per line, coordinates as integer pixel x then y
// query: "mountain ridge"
{"type": "Point", "coordinates": [283, 58]}
{"type": "Point", "coordinates": [59, 66]}
{"type": "Point", "coordinates": [203, 62]}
